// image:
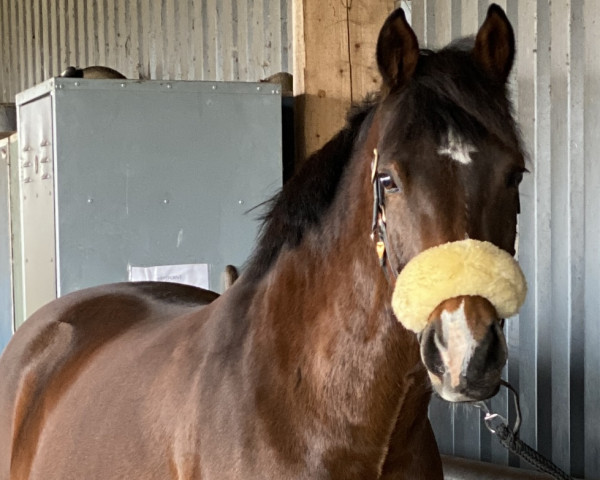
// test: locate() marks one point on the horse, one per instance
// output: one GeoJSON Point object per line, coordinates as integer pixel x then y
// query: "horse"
{"type": "Point", "coordinates": [94, 72]}
{"type": "Point", "coordinates": [300, 369]}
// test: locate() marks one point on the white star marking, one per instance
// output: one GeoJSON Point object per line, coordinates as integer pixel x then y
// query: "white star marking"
{"type": "Point", "coordinates": [457, 149]}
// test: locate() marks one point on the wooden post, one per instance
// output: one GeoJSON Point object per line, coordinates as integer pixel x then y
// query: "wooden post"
{"type": "Point", "coordinates": [334, 64]}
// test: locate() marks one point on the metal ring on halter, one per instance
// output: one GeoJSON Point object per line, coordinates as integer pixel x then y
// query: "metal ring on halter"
{"type": "Point", "coordinates": [498, 425]}
{"type": "Point", "coordinates": [494, 420]}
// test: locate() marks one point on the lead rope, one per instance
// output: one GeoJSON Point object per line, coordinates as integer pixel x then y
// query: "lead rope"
{"type": "Point", "coordinates": [509, 437]}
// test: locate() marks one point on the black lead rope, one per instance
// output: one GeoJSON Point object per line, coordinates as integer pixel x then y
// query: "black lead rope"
{"type": "Point", "coordinates": [509, 438]}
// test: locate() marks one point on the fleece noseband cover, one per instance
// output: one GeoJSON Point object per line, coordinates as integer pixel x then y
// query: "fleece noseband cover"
{"type": "Point", "coordinates": [466, 267]}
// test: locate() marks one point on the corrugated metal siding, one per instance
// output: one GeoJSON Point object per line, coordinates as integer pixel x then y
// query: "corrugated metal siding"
{"type": "Point", "coordinates": [154, 39]}
{"type": "Point", "coordinates": [555, 344]}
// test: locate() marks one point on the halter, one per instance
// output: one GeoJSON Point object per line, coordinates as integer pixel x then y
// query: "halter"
{"type": "Point", "coordinates": [378, 224]}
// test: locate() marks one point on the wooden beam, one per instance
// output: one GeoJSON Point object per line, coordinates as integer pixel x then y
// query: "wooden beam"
{"type": "Point", "coordinates": [334, 64]}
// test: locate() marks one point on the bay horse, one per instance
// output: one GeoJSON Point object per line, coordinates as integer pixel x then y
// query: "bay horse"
{"type": "Point", "coordinates": [94, 72]}
{"type": "Point", "coordinates": [299, 370]}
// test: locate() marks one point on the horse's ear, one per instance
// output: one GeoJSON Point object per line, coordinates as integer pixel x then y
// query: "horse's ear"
{"type": "Point", "coordinates": [397, 50]}
{"type": "Point", "coordinates": [495, 44]}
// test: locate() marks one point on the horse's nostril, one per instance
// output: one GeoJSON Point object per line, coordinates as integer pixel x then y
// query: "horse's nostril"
{"type": "Point", "coordinates": [489, 357]}
{"type": "Point", "coordinates": [496, 350]}
{"type": "Point", "coordinates": [430, 352]}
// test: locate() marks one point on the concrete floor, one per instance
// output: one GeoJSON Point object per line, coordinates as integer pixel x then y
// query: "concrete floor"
{"type": "Point", "coordinates": [460, 469]}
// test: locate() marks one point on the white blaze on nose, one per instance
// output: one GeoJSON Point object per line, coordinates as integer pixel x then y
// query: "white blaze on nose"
{"type": "Point", "coordinates": [459, 341]}
{"type": "Point", "coordinates": [457, 149]}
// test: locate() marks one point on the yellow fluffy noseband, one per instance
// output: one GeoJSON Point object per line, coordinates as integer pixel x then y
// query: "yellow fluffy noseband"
{"type": "Point", "coordinates": [466, 267]}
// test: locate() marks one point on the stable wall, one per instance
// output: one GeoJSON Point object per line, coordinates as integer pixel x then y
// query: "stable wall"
{"type": "Point", "coordinates": [334, 64]}
{"type": "Point", "coordinates": [226, 40]}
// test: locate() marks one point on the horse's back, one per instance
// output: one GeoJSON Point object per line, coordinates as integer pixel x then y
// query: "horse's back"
{"type": "Point", "coordinates": [89, 351]}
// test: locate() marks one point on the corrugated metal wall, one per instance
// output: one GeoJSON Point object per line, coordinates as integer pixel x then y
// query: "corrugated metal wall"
{"type": "Point", "coordinates": [154, 39]}
{"type": "Point", "coordinates": [555, 344]}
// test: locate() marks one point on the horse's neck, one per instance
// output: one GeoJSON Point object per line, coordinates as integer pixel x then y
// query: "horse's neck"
{"type": "Point", "coordinates": [326, 307]}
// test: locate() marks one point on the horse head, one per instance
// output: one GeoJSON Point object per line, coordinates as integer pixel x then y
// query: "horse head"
{"type": "Point", "coordinates": [447, 164]}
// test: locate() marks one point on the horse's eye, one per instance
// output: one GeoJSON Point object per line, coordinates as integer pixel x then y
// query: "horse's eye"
{"type": "Point", "coordinates": [387, 182]}
{"type": "Point", "coordinates": [514, 178]}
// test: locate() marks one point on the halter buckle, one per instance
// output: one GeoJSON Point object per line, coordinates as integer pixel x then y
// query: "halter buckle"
{"type": "Point", "coordinates": [380, 247]}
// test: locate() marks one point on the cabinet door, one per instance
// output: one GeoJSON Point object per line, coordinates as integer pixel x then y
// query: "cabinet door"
{"type": "Point", "coordinates": [15, 231]}
{"type": "Point", "coordinates": [38, 233]}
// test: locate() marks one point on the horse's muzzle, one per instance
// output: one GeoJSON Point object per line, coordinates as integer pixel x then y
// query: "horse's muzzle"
{"type": "Point", "coordinates": [464, 349]}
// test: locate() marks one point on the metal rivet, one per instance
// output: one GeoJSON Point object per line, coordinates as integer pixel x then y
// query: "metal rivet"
{"type": "Point", "coordinates": [90, 200]}
{"type": "Point", "coordinates": [61, 86]}
{"type": "Point", "coordinates": [123, 85]}
{"type": "Point", "coordinates": [76, 84]}
{"type": "Point", "coordinates": [165, 201]}
{"type": "Point", "coordinates": [241, 202]}
{"type": "Point", "coordinates": [214, 87]}
{"type": "Point", "coordinates": [169, 85]}
{"type": "Point", "coordinates": [258, 89]}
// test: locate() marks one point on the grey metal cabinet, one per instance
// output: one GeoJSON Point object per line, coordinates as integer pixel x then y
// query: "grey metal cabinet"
{"type": "Point", "coordinates": [115, 174]}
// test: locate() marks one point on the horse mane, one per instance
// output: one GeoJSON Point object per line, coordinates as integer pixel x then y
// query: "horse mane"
{"type": "Point", "coordinates": [304, 199]}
